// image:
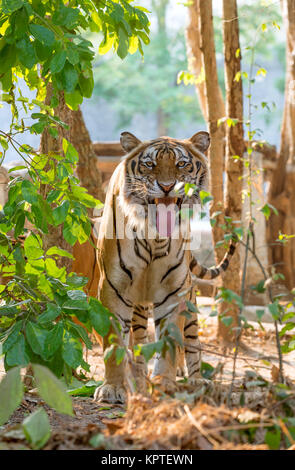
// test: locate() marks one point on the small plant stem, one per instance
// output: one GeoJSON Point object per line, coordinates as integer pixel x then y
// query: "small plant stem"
{"type": "Point", "coordinates": [269, 291]}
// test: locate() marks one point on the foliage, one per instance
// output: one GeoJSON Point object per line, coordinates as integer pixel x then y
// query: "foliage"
{"type": "Point", "coordinates": [48, 34]}
{"type": "Point", "coordinates": [38, 292]}
{"type": "Point", "coordinates": [154, 86]}
{"type": "Point", "coordinates": [42, 43]}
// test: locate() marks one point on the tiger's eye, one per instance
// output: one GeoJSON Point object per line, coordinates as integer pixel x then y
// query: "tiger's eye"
{"type": "Point", "coordinates": [149, 164]}
{"type": "Point", "coordinates": [181, 164]}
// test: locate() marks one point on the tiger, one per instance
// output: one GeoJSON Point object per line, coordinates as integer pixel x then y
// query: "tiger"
{"type": "Point", "coordinates": [141, 266]}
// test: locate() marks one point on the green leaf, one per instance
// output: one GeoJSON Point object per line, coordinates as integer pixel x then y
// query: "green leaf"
{"type": "Point", "coordinates": [11, 394]}
{"type": "Point", "coordinates": [207, 370]}
{"type": "Point", "coordinates": [70, 151]}
{"type": "Point", "coordinates": [191, 307]}
{"type": "Point", "coordinates": [19, 225]}
{"type": "Point", "coordinates": [274, 310]}
{"type": "Point", "coordinates": [7, 57]}
{"type": "Point", "coordinates": [58, 61]}
{"type": "Point", "coordinates": [86, 85]}
{"type": "Point", "coordinates": [54, 340]}
{"type": "Point", "coordinates": [51, 313]}
{"type": "Point", "coordinates": [36, 338]}
{"type": "Point", "coordinates": [26, 52]}
{"type": "Point", "coordinates": [74, 99]}
{"type": "Point", "coordinates": [83, 390]}
{"type": "Point", "coordinates": [68, 234]}
{"type": "Point", "coordinates": [36, 428]}
{"type": "Point", "coordinates": [60, 212]}
{"type": "Point", "coordinates": [227, 320]}
{"type": "Point", "coordinates": [77, 295]}
{"type": "Point", "coordinates": [9, 6]}
{"type": "Point", "coordinates": [77, 281]}
{"type": "Point", "coordinates": [72, 55]}
{"type": "Point", "coordinates": [76, 305]}
{"type": "Point", "coordinates": [12, 337]}
{"type": "Point", "coordinates": [69, 76]}
{"type": "Point", "coordinates": [42, 34]}
{"type": "Point", "coordinates": [120, 354]}
{"type": "Point", "coordinates": [123, 46]}
{"type": "Point", "coordinates": [273, 439]}
{"type": "Point", "coordinates": [149, 349]}
{"type": "Point", "coordinates": [29, 192]}
{"type": "Point", "coordinates": [80, 330]}
{"type": "Point", "coordinates": [17, 354]}
{"type": "Point", "coordinates": [72, 352]}
{"type": "Point", "coordinates": [99, 317]}
{"type": "Point", "coordinates": [65, 16]}
{"type": "Point", "coordinates": [54, 250]}
{"type": "Point", "coordinates": [52, 390]}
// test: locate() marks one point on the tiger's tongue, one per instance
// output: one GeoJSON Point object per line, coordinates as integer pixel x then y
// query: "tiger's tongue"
{"type": "Point", "coordinates": [165, 216]}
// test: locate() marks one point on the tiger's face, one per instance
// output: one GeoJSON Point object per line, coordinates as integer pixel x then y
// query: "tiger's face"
{"type": "Point", "coordinates": [157, 171]}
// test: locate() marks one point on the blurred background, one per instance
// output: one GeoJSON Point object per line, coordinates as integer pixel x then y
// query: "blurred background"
{"type": "Point", "coordinates": [144, 96]}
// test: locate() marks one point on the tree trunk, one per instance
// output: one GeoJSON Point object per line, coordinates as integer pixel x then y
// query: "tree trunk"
{"type": "Point", "coordinates": [87, 169]}
{"type": "Point", "coordinates": [50, 145]}
{"type": "Point", "coordinates": [194, 54]}
{"type": "Point", "coordinates": [281, 186]}
{"type": "Point", "coordinates": [215, 111]}
{"type": "Point", "coordinates": [234, 146]}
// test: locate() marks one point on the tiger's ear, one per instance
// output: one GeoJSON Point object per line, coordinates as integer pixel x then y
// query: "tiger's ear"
{"type": "Point", "coordinates": [201, 140]}
{"type": "Point", "coordinates": [129, 141]}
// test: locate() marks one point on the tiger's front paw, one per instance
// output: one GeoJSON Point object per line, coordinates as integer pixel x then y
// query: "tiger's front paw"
{"type": "Point", "coordinates": [110, 393]}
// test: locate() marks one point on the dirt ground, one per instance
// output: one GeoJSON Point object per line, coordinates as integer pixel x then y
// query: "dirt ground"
{"type": "Point", "coordinates": [191, 419]}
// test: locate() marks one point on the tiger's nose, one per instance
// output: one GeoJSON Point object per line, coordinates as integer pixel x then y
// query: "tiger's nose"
{"type": "Point", "coordinates": [166, 187]}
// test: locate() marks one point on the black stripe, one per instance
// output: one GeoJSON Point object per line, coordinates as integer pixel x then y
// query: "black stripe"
{"type": "Point", "coordinates": [158, 304]}
{"type": "Point", "coordinates": [122, 264]}
{"type": "Point", "coordinates": [164, 254]}
{"type": "Point", "coordinates": [139, 315]}
{"type": "Point", "coordinates": [203, 272]}
{"type": "Point", "coordinates": [225, 264]}
{"type": "Point", "coordinates": [157, 322]}
{"type": "Point", "coordinates": [195, 363]}
{"type": "Point", "coordinates": [214, 272]}
{"type": "Point", "coordinates": [194, 371]}
{"type": "Point", "coordinates": [136, 250]}
{"type": "Point", "coordinates": [137, 327]}
{"type": "Point", "coordinates": [191, 336]}
{"type": "Point", "coordinates": [173, 268]}
{"type": "Point", "coordinates": [133, 165]}
{"type": "Point", "coordinates": [128, 304]}
{"type": "Point", "coordinates": [194, 322]}
{"type": "Point", "coordinates": [232, 249]}
{"type": "Point", "coordinates": [144, 244]}
{"type": "Point", "coordinates": [126, 322]}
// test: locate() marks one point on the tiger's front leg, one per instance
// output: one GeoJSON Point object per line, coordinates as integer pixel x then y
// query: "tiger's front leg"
{"type": "Point", "coordinates": [192, 348]}
{"type": "Point", "coordinates": [165, 367]}
{"type": "Point", "coordinates": [113, 388]}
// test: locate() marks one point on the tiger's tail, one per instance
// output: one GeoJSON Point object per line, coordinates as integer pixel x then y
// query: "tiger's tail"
{"type": "Point", "coordinates": [211, 273]}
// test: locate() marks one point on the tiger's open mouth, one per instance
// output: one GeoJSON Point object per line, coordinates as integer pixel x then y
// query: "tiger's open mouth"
{"type": "Point", "coordinates": [166, 211]}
